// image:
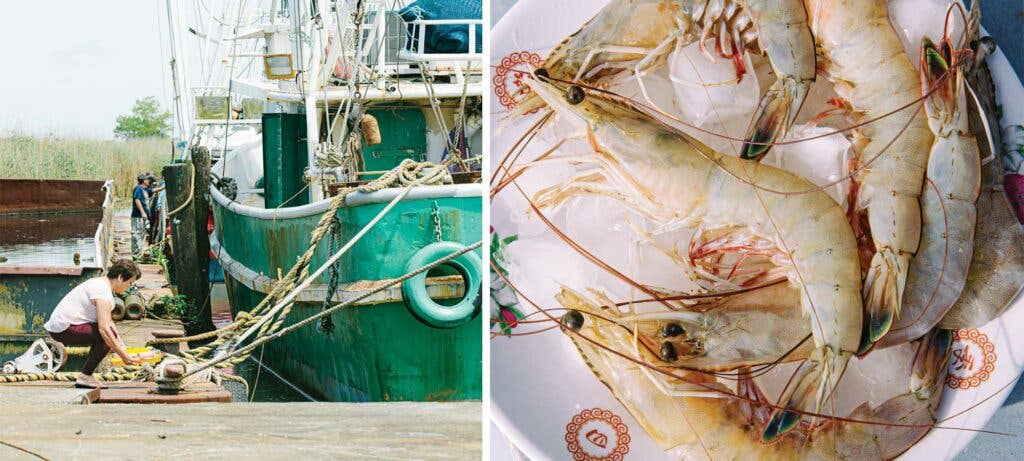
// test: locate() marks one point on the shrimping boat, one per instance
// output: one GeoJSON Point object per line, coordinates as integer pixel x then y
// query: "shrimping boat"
{"type": "Point", "coordinates": [301, 117]}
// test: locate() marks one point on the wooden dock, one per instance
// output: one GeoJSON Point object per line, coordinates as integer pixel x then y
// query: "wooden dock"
{"type": "Point", "coordinates": [52, 420]}
{"type": "Point", "coordinates": [135, 333]}
{"type": "Point", "coordinates": [285, 431]}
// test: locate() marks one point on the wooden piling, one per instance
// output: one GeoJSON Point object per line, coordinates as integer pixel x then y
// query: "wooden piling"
{"type": "Point", "coordinates": [201, 164]}
{"type": "Point", "coordinates": [191, 267]}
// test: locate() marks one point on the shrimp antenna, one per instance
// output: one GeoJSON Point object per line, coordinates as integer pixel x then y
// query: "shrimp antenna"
{"type": "Point", "coordinates": [732, 395]}
{"type": "Point", "coordinates": [850, 175]}
{"type": "Point", "coordinates": [526, 136]}
{"type": "Point", "coordinates": [671, 374]}
{"type": "Point", "coordinates": [647, 108]}
{"type": "Point", "coordinates": [587, 254]}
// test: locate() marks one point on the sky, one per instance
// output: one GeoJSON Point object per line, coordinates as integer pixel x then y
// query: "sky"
{"type": "Point", "coordinates": [71, 67]}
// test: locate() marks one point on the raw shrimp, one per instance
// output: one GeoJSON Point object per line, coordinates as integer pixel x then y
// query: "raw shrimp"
{"type": "Point", "coordinates": [674, 180]}
{"type": "Point", "coordinates": [638, 35]}
{"type": "Point", "coordinates": [756, 327]}
{"type": "Point", "coordinates": [996, 274]}
{"type": "Point", "coordinates": [701, 418]}
{"type": "Point", "coordinates": [939, 269]}
{"type": "Point", "coordinates": [865, 60]}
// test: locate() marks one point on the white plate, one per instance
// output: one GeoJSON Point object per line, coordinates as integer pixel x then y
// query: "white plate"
{"type": "Point", "coordinates": [539, 383]}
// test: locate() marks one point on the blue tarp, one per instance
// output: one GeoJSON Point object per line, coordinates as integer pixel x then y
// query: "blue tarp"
{"type": "Point", "coordinates": [216, 272]}
{"type": "Point", "coordinates": [447, 38]}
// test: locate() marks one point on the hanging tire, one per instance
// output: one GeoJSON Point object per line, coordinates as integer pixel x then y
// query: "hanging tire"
{"type": "Point", "coordinates": [415, 289]}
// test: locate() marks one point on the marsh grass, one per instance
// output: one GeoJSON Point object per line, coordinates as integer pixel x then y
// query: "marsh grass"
{"type": "Point", "coordinates": [26, 157]}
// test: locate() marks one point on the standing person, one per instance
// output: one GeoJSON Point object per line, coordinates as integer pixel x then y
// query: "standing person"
{"type": "Point", "coordinates": [140, 213]}
{"type": "Point", "coordinates": [152, 188]}
{"type": "Point", "coordinates": [154, 209]}
{"type": "Point", "coordinates": [82, 318]}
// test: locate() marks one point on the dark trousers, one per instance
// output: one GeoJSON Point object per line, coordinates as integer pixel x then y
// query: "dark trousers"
{"type": "Point", "coordinates": [85, 335]}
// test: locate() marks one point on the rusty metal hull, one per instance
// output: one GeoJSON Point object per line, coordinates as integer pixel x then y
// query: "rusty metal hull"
{"type": "Point", "coordinates": [377, 351]}
{"type": "Point", "coordinates": [53, 236]}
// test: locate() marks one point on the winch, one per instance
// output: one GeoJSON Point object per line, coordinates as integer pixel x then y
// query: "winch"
{"type": "Point", "coordinates": [45, 355]}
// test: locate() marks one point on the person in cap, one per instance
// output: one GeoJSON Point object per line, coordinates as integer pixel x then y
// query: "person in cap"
{"type": "Point", "coordinates": [140, 213]}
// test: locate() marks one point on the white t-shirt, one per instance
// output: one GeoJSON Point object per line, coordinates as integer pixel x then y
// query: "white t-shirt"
{"type": "Point", "coordinates": [77, 307]}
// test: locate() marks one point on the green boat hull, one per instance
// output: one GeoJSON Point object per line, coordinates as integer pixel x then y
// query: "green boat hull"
{"type": "Point", "coordinates": [376, 352]}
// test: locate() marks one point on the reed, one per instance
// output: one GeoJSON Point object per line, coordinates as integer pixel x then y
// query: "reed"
{"type": "Point", "coordinates": [26, 157]}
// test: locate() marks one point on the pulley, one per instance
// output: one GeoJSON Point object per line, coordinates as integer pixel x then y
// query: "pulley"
{"type": "Point", "coordinates": [44, 355]}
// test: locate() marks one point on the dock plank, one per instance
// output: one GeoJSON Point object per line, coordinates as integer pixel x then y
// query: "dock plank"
{"type": "Point", "coordinates": [142, 392]}
{"type": "Point", "coordinates": [46, 392]}
{"type": "Point", "coordinates": [135, 333]}
{"type": "Point", "coordinates": [286, 431]}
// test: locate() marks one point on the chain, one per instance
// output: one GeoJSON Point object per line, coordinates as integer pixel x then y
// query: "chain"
{"type": "Point", "coordinates": [326, 325]}
{"type": "Point", "coordinates": [436, 212]}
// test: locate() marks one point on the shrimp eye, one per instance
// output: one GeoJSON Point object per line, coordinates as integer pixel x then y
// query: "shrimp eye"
{"type": "Point", "coordinates": [573, 320]}
{"type": "Point", "coordinates": [574, 95]}
{"type": "Point", "coordinates": [542, 73]}
{"type": "Point", "coordinates": [668, 352]}
{"type": "Point", "coordinates": [670, 330]}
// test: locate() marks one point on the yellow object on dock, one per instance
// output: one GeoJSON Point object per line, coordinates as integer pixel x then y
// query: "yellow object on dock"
{"type": "Point", "coordinates": [147, 354]}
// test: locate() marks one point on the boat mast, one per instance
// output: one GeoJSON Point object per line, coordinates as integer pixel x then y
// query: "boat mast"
{"type": "Point", "coordinates": [311, 82]}
{"type": "Point", "coordinates": [179, 73]}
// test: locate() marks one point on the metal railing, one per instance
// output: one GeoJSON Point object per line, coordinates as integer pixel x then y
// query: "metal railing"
{"type": "Point", "coordinates": [415, 49]}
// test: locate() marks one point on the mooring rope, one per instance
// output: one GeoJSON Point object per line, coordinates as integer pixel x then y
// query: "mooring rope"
{"type": "Point", "coordinates": [76, 350]}
{"type": "Point", "coordinates": [243, 352]}
{"type": "Point", "coordinates": [408, 173]}
{"type": "Point", "coordinates": [65, 376]}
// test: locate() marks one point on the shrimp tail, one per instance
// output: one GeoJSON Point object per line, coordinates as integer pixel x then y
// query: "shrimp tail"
{"type": "Point", "coordinates": [916, 409]}
{"type": "Point", "coordinates": [883, 292]}
{"type": "Point", "coordinates": [776, 112]}
{"type": "Point", "coordinates": [930, 363]}
{"type": "Point", "coordinates": [935, 65]}
{"type": "Point", "coordinates": [815, 379]}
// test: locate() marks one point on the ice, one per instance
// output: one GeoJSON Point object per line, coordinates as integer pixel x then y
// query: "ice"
{"type": "Point", "coordinates": [709, 97]}
{"type": "Point", "coordinates": [821, 161]}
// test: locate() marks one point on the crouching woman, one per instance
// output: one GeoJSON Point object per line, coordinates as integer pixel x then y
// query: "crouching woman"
{"type": "Point", "coordinates": [82, 318]}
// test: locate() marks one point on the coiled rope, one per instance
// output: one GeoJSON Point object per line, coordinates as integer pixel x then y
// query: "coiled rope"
{"type": "Point", "coordinates": [127, 373]}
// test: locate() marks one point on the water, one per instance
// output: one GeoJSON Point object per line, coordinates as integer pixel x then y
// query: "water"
{"type": "Point", "coordinates": [268, 388]}
{"type": "Point", "coordinates": [49, 239]}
